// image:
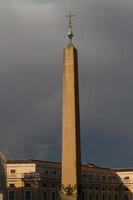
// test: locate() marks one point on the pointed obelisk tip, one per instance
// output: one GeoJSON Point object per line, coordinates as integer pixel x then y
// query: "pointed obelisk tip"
{"type": "Point", "coordinates": [70, 31]}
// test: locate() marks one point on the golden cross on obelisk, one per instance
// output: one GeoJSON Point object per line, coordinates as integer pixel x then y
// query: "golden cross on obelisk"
{"type": "Point", "coordinates": [70, 32]}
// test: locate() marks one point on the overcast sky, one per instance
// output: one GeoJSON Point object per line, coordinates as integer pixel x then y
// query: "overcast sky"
{"type": "Point", "coordinates": [32, 38]}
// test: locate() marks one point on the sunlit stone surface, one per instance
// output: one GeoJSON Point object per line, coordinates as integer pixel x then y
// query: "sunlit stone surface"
{"type": "Point", "coordinates": [70, 125]}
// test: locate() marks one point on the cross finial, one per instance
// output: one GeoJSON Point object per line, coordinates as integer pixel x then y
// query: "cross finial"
{"type": "Point", "coordinates": [70, 32]}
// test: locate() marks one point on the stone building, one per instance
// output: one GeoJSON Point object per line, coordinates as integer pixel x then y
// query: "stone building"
{"type": "Point", "coordinates": [2, 176]}
{"type": "Point", "coordinates": [32, 179]}
{"type": "Point", "coordinates": [41, 180]}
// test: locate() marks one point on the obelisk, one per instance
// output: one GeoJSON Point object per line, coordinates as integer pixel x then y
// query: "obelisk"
{"type": "Point", "coordinates": [71, 157]}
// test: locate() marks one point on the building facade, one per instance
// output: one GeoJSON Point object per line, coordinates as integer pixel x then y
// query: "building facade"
{"type": "Point", "coordinates": [41, 180]}
{"type": "Point", "coordinates": [2, 176]}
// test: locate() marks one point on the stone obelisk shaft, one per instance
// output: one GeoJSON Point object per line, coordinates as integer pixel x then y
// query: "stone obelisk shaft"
{"type": "Point", "coordinates": [71, 158]}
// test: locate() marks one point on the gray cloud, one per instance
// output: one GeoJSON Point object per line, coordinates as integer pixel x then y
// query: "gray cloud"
{"type": "Point", "coordinates": [32, 37]}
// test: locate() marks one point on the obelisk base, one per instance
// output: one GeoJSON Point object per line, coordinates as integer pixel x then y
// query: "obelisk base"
{"type": "Point", "coordinates": [68, 193]}
{"type": "Point", "coordinates": [67, 197]}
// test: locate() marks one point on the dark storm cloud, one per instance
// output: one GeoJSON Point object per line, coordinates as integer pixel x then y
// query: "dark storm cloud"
{"type": "Point", "coordinates": [32, 36]}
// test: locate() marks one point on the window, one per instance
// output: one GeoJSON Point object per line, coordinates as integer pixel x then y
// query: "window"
{"type": "Point", "coordinates": [54, 172]}
{"type": "Point", "coordinates": [126, 178]}
{"type": "Point", "coordinates": [97, 197]}
{"type": "Point", "coordinates": [97, 178]}
{"type": "Point", "coordinates": [90, 197]}
{"type": "Point", "coordinates": [125, 196]}
{"type": "Point", "coordinates": [83, 196]}
{"type": "Point", "coordinates": [114, 177]}
{"type": "Point", "coordinates": [84, 175]}
{"type": "Point", "coordinates": [27, 195]}
{"type": "Point", "coordinates": [53, 195]}
{"type": "Point", "coordinates": [45, 195]}
{"type": "Point", "coordinates": [12, 171]}
{"type": "Point", "coordinates": [103, 197]}
{"type": "Point", "coordinates": [109, 197]}
{"type": "Point", "coordinates": [45, 185]}
{"type": "Point", "coordinates": [27, 185]}
{"type": "Point", "coordinates": [11, 185]}
{"type": "Point", "coordinates": [90, 177]}
{"type": "Point", "coordinates": [116, 197]}
{"type": "Point", "coordinates": [126, 189]}
{"type": "Point", "coordinates": [11, 195]}
{"type": "Point", "coordinates": [46, 172]}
